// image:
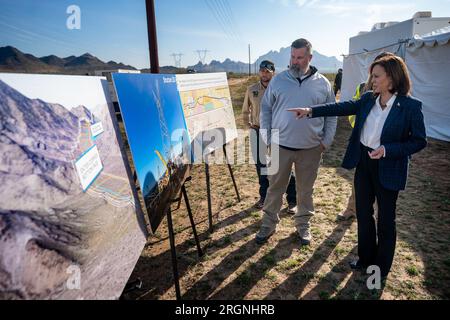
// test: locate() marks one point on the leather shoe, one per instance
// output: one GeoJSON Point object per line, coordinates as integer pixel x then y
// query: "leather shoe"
{"type": "Point", "coordinates": [305, 237]}
{"type": "Point", "coordinates": [263, 235]}
{"type": "Point", "coordinates": [259, 205]}
{"type": "Point", "coordinates": [356, 265]}
{"type": "Point", "coordinates": [347, 214]}
{"type": "Point", "coordinates": [292, 208]}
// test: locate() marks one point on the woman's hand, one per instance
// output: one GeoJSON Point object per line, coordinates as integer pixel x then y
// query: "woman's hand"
{"type": "Point", "coordinates": [301, 112]}
{"type": "Point", "coordinates": [378, 153]}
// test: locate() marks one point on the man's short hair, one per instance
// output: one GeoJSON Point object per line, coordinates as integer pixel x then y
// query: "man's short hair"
{"type": "Point", "coordinates": [302, 43]}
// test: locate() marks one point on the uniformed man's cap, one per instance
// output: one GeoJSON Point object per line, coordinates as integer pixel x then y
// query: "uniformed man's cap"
{"type": "Point", "coordinates": [268, 65]}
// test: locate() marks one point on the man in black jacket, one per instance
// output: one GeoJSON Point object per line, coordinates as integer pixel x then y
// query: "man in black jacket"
{"type": "Point", "coordinates": [338, 82]}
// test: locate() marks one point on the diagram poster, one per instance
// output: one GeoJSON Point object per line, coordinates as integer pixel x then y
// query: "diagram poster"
{"type": "Point", "coordinates": [158, 137]}
{"type": "Point", "coordinates": [208, 109]}
{"type": "Point", "coordinates": [69, 228]}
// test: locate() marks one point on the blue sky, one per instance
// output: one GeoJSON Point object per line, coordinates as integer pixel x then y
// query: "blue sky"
{"type": "Point", "coordinates": [111, 30]}
{"type": "Point", "coordinates": [116, 30]}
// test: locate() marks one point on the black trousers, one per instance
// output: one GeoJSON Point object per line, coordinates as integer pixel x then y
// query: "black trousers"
{"type": "Point", "coordinates": [376, 244]}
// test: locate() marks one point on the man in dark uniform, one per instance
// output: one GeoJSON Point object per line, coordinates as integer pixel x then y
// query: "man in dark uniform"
{"type": "Point", "coordinates": [338, 82]}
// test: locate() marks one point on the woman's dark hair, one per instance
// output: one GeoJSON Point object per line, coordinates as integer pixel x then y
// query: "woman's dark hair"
{"type": "Point", "coordinates": [395, 69]}
{"type": "Point", "coordinates": [384, 54]}
{"type": "Point", "coordinates": [368, 84]}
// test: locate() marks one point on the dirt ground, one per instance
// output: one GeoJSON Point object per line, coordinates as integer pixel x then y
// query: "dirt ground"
{"type": "Point", "coordinates": [235, 267]}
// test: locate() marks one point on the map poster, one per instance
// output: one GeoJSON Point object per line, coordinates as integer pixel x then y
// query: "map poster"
{"type": "Point", "coordinates": [208, 109]}
{"type": "Point", "coordinates": [157, 134]}
{"type": "Point", "coordinates": [69, 227]}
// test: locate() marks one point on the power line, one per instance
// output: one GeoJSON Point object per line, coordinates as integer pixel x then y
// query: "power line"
{"type": "Point", "coordinates": [225, 17]}
{"type": "Point", "coordinates": [229, 13]}
{"type": "Point", "coordinates": [222, 26]}
{"type": "Point", "coordinates": [212, 7]}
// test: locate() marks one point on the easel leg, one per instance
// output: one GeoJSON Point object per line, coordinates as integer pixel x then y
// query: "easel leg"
{"type": "Point", "coordinates": [174, 254]}
{"type": "Point", "coordinates": [231, 174]}
{"type": "Point", "coordinates": [208, 194]}
{"type": "Point", "coordinates": [191, 218]}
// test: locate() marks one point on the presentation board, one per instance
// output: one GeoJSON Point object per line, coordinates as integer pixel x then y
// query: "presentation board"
{"type": "Point", "coordinates": [69, 226]}
{"type": "Point", "coordinates": [158, 137]}
{"type": "Point", "coordinates": [208, 109]}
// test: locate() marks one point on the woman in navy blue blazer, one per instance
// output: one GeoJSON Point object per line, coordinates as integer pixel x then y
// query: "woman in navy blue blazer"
{"type": "Point", "coordinates": [389, 128]}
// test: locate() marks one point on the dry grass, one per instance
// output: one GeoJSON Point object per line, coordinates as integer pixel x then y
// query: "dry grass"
{"type": "Point", "coordinates": [235, 267]}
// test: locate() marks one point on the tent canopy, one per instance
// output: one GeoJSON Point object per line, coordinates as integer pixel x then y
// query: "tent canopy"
{"type": "Point", "coordinates": [428, 61]}
{"type": "Point", "coordinates": [438, 37]}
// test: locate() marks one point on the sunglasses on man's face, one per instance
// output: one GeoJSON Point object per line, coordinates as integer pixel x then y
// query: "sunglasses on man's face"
{"type": "Point", "coordinates": [266, 66]}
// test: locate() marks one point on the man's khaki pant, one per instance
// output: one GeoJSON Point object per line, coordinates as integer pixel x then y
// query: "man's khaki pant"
{"type": "Point", "coordinates": [351, 200]}
{"type": "Point", "coordinates": [307, 163]}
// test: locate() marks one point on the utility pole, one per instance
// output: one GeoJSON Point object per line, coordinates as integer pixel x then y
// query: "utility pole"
{"type": "Point", "coordinates": [249, 63]}
{"type": "Point", "coordinates": [152, 38]}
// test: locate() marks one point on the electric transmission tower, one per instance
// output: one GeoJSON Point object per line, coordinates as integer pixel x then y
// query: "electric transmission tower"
{"type": "Point", "coordinates": [162, 122]}
{"type": "Point", "coordinates": [177, 58]}
{"type": "Point", "coordinates": [202, 55]}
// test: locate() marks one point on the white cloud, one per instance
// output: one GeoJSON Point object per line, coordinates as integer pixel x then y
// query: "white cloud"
{"type": "Point", "coordinates": [340, 8]}
{"type": "Point", "coordinates": [364, 13]}
{"type": "Point", "coordinates": [286, 3]}
{"type": "Point", "coordinates": [306, 3]}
